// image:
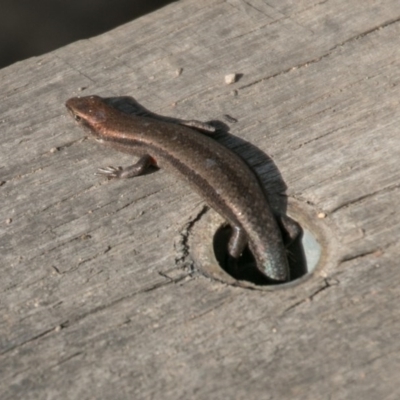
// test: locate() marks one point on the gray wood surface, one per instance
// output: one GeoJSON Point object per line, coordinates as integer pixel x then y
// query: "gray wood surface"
{"type": "Point", "coordinates": [94, 300]}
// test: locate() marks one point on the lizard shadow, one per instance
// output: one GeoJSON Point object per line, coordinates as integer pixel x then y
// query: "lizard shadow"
{"type": "Point", "coordinates": [267, 173]}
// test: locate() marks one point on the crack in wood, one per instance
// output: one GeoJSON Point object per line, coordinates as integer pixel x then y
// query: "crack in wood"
{"type": "Point", "coordinates": [66, 145]}
{"type": "Point", "coordinates": [387, 189]}
{"type": "Point", "coordinates": [79, 318]}
{"type": "Point", "coordinates": [323, 56]}
{"type": "Point", "coordinates": [34, 338]}
{"type": "Point", "coordinates": [374, 252]}
{"type": "Point", "coordinates": [327, 284]}
{"type": "Point", "coordinates": [175, 279]}
{"type": "Point", "coordinates": [66, 359]}
{"type": "Point", "coordinates": [181, 244]}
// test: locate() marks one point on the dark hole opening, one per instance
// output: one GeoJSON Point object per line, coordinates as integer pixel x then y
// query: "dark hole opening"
{"type": "Point", "coordinates": [245, 268]}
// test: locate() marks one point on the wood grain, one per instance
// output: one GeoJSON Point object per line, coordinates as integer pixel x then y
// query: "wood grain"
{"type": "Point", "coordinates": [94, 300]}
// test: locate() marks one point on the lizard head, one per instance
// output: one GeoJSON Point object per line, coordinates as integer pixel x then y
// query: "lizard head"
{"type": "Point", "coordinates": [89, 112]}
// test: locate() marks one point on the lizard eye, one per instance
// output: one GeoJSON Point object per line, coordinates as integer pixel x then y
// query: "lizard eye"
{"type": "Point", "coordinates": [77, 118]}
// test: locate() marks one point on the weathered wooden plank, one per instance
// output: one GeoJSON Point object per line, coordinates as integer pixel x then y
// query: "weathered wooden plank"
{"type": "Point", "coordinates": [94, 300]}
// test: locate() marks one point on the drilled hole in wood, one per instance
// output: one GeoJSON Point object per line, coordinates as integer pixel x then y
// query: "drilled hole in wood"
{"type": "Point", "coordinates": [245, 268]}
{"type": "Point", "coordinates": [311, 252]}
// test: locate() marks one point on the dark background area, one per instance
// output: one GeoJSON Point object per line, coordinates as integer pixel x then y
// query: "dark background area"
{"type": "Point", "coordinates": [30, 28]}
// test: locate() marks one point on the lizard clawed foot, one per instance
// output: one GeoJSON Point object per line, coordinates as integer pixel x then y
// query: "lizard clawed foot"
{"type": "Point", "coordinates": [110, 172]}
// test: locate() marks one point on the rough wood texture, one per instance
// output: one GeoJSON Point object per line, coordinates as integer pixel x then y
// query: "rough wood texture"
{"type": "Point", "coordinates": [94, 303]}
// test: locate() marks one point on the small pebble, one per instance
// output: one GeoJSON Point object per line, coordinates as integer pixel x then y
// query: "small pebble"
{"type": "Point", "coordinates": [230, 78]}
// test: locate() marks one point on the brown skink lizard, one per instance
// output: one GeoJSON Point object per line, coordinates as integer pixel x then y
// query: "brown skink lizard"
{"type": "Point", "coordinates": [220, 176]}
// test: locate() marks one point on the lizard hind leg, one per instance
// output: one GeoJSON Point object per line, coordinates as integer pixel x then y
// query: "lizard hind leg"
{"type": "Point", "coordinates": [290, 229]}
{"type": "Point", "coordinates": [236, 245]}
{"type": "Point", "coordinates": [237, 242]}
{"type": "Point", "coordinates": [244, 269]}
